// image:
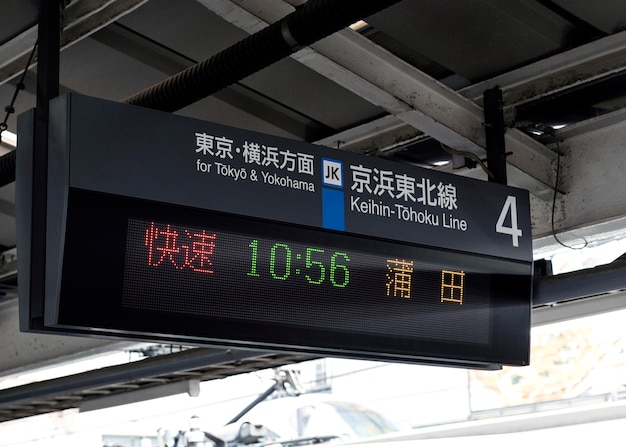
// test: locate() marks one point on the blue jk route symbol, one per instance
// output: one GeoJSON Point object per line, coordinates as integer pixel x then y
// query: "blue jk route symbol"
{"type": "Point", "coordinates": [333, 216]}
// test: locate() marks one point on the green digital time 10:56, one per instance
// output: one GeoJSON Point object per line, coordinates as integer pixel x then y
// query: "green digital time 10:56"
{"type": "Point", "coordinates": [318, 266]}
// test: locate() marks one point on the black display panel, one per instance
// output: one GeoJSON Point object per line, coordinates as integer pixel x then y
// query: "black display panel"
{"type": "Point", "coordinates": [147, 268]}
{"type": "Point", "coordinates": [170, 229]}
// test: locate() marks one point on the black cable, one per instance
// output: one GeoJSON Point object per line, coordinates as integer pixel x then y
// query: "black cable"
{"type": "Point", "coordinates": [556, 186]}
{"type": "Point", "coordinates": [309, 23]}
{"type": "Point", "coordinates": [19, 86]}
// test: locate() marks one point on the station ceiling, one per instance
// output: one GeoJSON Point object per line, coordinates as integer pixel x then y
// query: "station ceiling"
{"type": "Point", "coordinates": [406, 83]}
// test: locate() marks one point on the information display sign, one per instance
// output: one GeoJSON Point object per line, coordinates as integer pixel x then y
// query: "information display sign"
{"type": "Point", "coordinates": [170, 228]}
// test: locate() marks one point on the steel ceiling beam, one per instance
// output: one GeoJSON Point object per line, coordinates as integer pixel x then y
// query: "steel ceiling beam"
{"type": "Point", "coordinates": [578, 66]}
{"type": "Point", "coordinates": [436, 109]}
{"type": "Point", "coordinates": [128, 372]}
{"type": "Point", "coordinates": [81, 19]}
{"type": "Point", "coordinates": [580, 284]}
{"type": "Point", "coordinates": [369, 71]}
{"type": "Point", "coordinates": [376, 136]}
{"type": "Point", "coordinates": [128, 382]}
{"type": "Point", "coordinates": [593, 124]}
{"type": "Point", "coordinates": [301, 27]}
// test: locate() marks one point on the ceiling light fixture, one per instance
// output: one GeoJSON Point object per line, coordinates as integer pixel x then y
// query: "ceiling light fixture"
{"type": "Point", "coordinates": [8, 139]}
{"type": "Point", "coordinates": [358, 26]}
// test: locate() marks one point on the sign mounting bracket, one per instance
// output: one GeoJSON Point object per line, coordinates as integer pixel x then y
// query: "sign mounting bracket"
{"type": "Point", "coordinates": [48, 56]}
{"type": "Point", "coordinates": [494, 133]}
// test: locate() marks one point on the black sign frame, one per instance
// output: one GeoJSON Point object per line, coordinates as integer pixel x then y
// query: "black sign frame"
{"type": "Point", "coordinates": [91, 155]}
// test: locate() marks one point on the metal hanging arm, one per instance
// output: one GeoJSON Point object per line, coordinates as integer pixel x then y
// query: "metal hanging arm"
{"type": "Point", "coordinates": [49, 44]}
{"type": "Point", "coordinates": [494, 135]}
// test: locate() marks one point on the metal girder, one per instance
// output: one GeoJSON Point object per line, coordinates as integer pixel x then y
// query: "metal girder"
{"type": "Point", "coordinates": [551, 75]}
{"type": "Point", "coordinates": [374, 74]}
{"type": "Point", "coordinates": [128, 372]}
{"type": "Point", "coordinates": [543, 78]}
{"type": "Point", "coordinates": [580, 284]}
{"type": "Point", "coordinates": [80, 19]}
{"type": "Point", "coordinates": [592, 125]}
{"type": "Point", "coordinates": [387, 132]}
{"type": "Point", "coordinates": [130, 382]}
{"type": "Point", "coordinates": [555, 312]}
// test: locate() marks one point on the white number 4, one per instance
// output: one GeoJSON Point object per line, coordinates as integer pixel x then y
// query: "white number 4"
{"type": "Point", "coordinates": [509, 206]}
